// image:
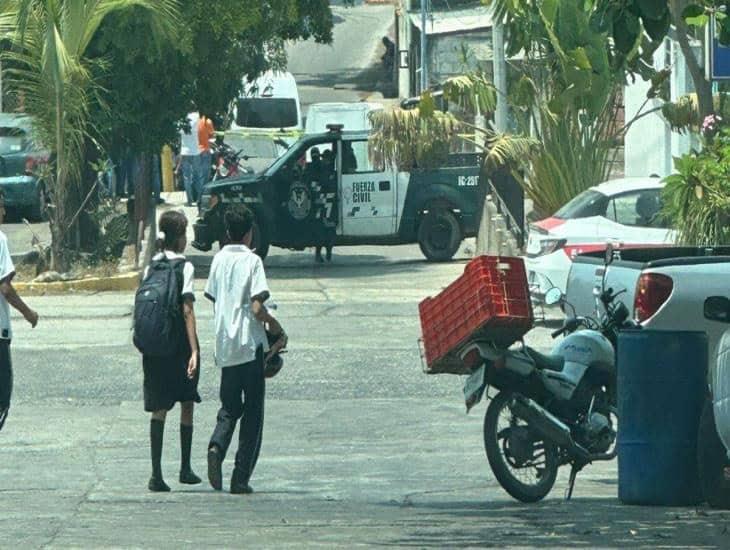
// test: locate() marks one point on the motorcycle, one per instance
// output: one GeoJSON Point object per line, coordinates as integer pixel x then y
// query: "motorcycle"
{"type": "Point", "coordinates": [550, 410]}
{"type": "Point", "coordinates": [227, 162]}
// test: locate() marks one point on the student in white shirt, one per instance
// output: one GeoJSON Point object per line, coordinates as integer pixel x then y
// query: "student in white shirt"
{"type": "Point", "coordinates": [237, 286]}
{"type": "Point", "coordinates": [174, 378]}
{"type": "Point", "coordinates": [8, 297]}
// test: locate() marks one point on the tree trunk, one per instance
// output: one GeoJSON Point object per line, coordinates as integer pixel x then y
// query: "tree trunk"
{"type": "Point", "coordinates": [702, 86]}
{"type": "Point", "coordinates": [58, 218]}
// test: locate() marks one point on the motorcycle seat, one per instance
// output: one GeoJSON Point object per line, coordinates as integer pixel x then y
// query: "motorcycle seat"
{"type": "Point", "coordinates": [546, 362]}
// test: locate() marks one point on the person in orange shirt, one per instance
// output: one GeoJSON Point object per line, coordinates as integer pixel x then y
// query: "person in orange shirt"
{"type": "Point", "coordinates": [206, 132]}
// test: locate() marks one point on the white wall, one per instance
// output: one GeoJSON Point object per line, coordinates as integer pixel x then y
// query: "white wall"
{"type": "Point", "coordinates": [650, 145]}
{"type": "Point", "coordinates": [648, 141]}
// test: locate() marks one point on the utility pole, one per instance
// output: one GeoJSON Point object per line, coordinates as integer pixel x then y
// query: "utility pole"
{"type": "Point", "coordinates": [424, 62]}
{"type": "Point", "coordinates": [500, 76]}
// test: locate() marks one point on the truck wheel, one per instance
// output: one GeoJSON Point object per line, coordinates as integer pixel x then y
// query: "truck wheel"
{"type": "Point", "coordinates": [260, 240]}
{"type": "Point", "coordinates": [711, 461]}
{"type": "Point", "coordinates": [439, 235]}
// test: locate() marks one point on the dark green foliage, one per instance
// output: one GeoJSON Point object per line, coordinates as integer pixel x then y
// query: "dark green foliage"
{"type": "Point", "coordinates": [152, 83]}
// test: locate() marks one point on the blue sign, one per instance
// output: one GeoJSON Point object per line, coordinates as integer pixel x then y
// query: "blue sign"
{"type": "Point", "coordinates": [719, 56]}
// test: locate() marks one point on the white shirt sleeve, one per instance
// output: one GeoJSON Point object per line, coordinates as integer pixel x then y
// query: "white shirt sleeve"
{"type": "Point", "coordinates": [7, 269]}
{"type": "Point", "coordinates": [188, 289]}
{"type": "Point", "coordinates": [211, 287]}
{"type": "Point", "coordinates": [258, 278]}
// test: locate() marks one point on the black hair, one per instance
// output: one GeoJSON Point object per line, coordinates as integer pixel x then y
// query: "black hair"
{"type": "Point", "coordinates": [2, 194]}
{"type": "Point", "coordinates": [173, 224]}
{"type": "Point", "coordinates": [239, 221]}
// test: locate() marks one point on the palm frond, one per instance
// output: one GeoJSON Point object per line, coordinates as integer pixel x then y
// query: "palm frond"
{"type": "Point", "coordinates": [472, 92]}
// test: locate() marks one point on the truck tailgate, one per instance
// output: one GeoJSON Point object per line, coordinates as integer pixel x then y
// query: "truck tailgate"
{"type": "Point", "coordinates": [585, 278]}
{"type": "Point", "coordinates": [685, 308]}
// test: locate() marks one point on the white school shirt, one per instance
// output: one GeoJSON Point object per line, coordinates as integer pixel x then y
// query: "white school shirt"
{"type": "Point", "coordinates": [188, 288]}
{"type": "Point", "coordinates": [189, 141]}
{"type": "Point", "coordinates": [7, 271]}
{"type": "Point", "coordinates": [236, 275]}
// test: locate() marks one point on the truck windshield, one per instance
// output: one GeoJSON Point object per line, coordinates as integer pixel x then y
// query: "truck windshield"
{"type": "Point", "coordinates": [267, 112]}
{"type": "Point", "coordinates": [293, 152]}
{"type": "Point", "coordinates": [587, 204]}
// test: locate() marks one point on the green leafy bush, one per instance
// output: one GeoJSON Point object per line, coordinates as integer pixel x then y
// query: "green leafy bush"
{"type": "Point", "coordinates": [697, 196]}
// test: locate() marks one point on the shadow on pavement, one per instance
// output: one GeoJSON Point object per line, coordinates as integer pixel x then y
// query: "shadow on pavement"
{"type": "Point", "coordinates": [582, 522]}
{"type": "Point", "coordinates": [343, 266]}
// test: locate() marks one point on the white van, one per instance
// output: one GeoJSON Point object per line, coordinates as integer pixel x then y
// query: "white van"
{"type": "Point", "coordinates": [269, 103]}
{"type": "Point", "coordinates": [354, 117]}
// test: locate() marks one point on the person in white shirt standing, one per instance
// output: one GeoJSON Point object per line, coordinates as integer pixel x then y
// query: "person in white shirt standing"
{"type": "Point", "coordinates": [8, 297]}
{"type": "Point", "coordinates": [238, 288]}
{"type": "Point", "coordinates": [190, 157]}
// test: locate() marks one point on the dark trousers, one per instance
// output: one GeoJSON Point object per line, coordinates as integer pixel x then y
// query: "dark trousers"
{"type": "Point", "coordinates": [6, 380]}
{"type": "Point", "coordinates": [245, 380]}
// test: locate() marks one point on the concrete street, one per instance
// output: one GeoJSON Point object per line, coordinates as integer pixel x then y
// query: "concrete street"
{"type": "Point", "coordinates": [360, 447]}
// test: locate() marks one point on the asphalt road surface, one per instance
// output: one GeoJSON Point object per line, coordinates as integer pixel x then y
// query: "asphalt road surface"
{"type": "Point", "coordinates": [347, 69]}
{"type": "Point", "coordinates": [360, 447]}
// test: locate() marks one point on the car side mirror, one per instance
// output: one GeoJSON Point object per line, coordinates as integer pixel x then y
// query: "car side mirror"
{"type": "Point", "coordinates": [717, 308]}
{"type": "Point", "coordinates": [553, 296]}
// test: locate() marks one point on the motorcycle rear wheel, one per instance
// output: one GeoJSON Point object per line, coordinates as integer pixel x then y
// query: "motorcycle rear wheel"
{"type": "Point", "coordinates": [505, 460]}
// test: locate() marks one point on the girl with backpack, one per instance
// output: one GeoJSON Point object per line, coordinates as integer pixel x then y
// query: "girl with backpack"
{"type": "Point", "coordinates": [165, 333]}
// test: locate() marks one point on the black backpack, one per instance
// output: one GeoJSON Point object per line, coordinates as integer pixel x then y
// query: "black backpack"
{"type": "Point", "coordinates": [158, 321]}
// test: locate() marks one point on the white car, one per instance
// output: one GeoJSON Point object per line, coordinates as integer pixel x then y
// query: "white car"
{"type": "Point", "coordinates": [625, 210]}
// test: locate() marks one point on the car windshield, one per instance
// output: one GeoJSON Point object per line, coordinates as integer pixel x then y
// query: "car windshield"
{"type": "Point", "coordinates": [268, 112]}
{"type": "Point", "coordinates": [12, 140]}
{"type": "Point", "coordinates": [587, 204]}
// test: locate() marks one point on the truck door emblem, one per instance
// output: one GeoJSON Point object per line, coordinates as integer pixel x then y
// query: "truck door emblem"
{"type": "Point", "coordinates": [300, 201]}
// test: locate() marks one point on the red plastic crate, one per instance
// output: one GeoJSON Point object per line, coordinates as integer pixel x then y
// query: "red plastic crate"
{"type": "Point", "coordinates": [491, 300]}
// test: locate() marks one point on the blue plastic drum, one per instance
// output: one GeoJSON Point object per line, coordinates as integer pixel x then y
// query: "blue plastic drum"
{"type": "Point", "coordinates": [661, 389]}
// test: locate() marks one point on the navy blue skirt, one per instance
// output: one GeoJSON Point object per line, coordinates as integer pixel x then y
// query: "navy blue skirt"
{"type": "Point", "coordinates": [166, 382]}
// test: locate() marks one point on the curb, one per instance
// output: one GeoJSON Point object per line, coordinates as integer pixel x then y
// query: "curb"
{"type": "Point", "coordinates": [117, 283]}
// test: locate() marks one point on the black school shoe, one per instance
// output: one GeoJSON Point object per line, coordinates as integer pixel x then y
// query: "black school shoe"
{"type": "Point", "coordinates": [157, 485]}
{"type": "Point", "coordinates": [188, 477]}
{"type": "Point", "coordinates": [238, 486]}
{"type": "Point", "coordinates": [215, 474]}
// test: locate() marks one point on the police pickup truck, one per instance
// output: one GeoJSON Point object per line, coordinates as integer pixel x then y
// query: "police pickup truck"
{"type": "Point", "coordinates": [327, 182]}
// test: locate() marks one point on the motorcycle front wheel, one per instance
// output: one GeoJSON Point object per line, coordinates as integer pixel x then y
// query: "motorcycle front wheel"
{"type": "Point", "coordinates": [524, 464]}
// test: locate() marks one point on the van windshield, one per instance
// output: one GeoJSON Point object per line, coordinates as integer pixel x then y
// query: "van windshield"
{"type": "Point", "coordinates": [266, 112]}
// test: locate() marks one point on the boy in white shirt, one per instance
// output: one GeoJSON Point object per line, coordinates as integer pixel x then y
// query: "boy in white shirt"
{"type": "Point", "coordinates": [237, 285]}
{"type": "Point", "coordinates": [8, 297]}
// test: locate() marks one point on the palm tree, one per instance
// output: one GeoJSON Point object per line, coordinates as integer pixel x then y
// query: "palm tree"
{"type": "Point", "coordinates": [423, 137]}
{"type": "Point", "coordinates": [49, 70]}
